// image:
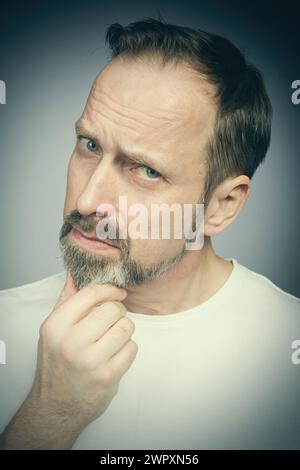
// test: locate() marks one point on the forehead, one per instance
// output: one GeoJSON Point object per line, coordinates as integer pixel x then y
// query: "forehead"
{"type": "Point", "coordinates": [140, 102]}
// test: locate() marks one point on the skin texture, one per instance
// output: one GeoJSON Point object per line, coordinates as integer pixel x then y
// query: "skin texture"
{"type": "Point", "coordinates": [83, 351]}
{"type": "Point", "coordinates": [135, 106]}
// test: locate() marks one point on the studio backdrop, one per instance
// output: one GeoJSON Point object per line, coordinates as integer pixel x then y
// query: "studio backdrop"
{"type": "Point", "coordinates": [50, 53]}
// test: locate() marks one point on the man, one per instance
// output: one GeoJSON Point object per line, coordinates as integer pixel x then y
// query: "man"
{"type": "Point", "coordinates": [143, 343]}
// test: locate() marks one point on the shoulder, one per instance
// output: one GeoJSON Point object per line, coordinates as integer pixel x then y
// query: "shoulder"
{"type": "Point", "coordinates": [258, 289]}
{"type": "Point", "coordinates": [38, 287]}
{"type": "Point", "coordinates": [35, 295]}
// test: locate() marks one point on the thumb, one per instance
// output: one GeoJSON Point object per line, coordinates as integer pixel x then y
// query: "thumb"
{"type": "Point", "coordinates": [68, 290]}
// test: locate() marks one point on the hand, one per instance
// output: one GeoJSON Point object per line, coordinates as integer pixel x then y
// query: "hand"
{"type": "Point", "coordinates": [84, 349]}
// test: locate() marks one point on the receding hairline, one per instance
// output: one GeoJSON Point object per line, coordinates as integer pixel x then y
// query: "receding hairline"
{"type": "Point", "coordinates": [155, 59]}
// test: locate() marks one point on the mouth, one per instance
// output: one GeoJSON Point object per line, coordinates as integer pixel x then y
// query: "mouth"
{"type": "Point", "coordinates": [91, 242]}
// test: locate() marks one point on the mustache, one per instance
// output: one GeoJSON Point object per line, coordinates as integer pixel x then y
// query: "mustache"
{"type": "Point", "coordinates": [88, 225]}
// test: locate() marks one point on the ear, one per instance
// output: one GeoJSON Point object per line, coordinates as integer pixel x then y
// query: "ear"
{"type": "Point", "coordinates": [225, 204]}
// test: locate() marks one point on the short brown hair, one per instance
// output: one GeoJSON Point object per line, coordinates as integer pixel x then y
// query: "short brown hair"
{"type": "Point", "coordinates": [243, 124]}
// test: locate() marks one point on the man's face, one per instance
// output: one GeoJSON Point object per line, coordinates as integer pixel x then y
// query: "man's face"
{"type": "Point", "coordinates": [142, 135]}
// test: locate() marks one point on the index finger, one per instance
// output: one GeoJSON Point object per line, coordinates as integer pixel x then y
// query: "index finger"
{"type": "Point", "coordinates": [68, 290]}
{"type": "Point", "coordinates": [72, 305]}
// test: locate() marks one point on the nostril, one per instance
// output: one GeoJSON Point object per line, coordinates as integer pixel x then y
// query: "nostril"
{"type": "Point", "coordinates": [105, 210]}
{"type": "Point", "coordinates": [102, 213]}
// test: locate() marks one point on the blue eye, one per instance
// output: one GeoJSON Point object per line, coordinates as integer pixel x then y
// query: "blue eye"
{"type": "Point", "coordinates": [150, 173]}
{"type": "Point", "coordinates": [91, 145]}
{"type": "Point", "coordinates": [88, 144]}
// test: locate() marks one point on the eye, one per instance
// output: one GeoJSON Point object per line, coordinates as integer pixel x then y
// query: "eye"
{"type": "Point", "coordinates": [149, 172]}
{"type": "Point", "coordinates": [88, 144]}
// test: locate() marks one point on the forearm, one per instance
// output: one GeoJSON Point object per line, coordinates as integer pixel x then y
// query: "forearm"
{"type": "Point", "coordinates": [36, 428]}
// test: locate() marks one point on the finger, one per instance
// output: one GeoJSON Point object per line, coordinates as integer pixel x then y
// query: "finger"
{"type": "Point", "coordinates": [79, 305]}
{"type": "Point", "coordinates": [115, 338]}
{"type": "Point", "coordinates": [121, 361]}
{"type": "Point", "coordinates": [68, 290]}
{"type": "Point", "coordinates": [94, 325]}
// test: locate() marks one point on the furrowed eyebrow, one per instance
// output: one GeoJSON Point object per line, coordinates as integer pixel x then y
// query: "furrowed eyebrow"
{"type": "Point", "coordinates": [141, 159]}
{"type": "Point", "coordinates": [81, 129]}
{"type": "Point", "coordinates": [129, 156]}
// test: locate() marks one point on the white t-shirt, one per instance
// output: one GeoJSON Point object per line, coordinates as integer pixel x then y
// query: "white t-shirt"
{"type": "Point", "coordinates": [222, 375]}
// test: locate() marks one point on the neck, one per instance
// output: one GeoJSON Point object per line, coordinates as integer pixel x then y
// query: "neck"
{"type": "Point", "coordinates": [197, 277]}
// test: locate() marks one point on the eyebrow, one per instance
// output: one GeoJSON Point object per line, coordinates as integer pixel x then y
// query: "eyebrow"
{"type": "Point", "coordinates": [134, 157]}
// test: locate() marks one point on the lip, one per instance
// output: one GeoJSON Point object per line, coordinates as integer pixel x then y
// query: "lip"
{"type": "Point", "coordinates": [93, 243]}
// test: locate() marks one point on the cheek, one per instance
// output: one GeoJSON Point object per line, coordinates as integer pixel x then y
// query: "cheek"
{"type": "Point", "coordinates": [75, 185]}
{"type": "Point", "coordinates": [154, 251]}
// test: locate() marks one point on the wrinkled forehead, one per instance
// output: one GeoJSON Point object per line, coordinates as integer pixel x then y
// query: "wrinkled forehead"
{"type": "Point", "coordinates": [173, 92]}
{"type": "Point", "coordinates": [139, 102]}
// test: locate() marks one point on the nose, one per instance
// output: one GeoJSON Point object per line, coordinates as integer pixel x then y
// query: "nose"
{"type": "Point", "coordinates": [100, 189]}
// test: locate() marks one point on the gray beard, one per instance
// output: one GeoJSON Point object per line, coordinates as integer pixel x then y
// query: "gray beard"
{"type": "Point", "coordinates": [87, 268]}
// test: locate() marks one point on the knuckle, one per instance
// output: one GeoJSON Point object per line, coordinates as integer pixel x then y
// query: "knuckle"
{"type": "Point", "coordinates": [108, 376]}
{"type": "Point", "coordinates": [132, 349]}
{"type": "Point", "coordinates": [46, 330]}
{"type": "Point", "coordinates": [125, 325]}
{"type": "Point", "coordinates": [96, 290]}
{"type": "Point", "coordinates": [66, 351]}
{"type": "Point", "coordinates": [91, 292]}
{"type": "Point", "coordinates": [115, 308]}
{"type": "Point", "coordinates": [113, 290]}
{"type": "Point", "coordinates": [88, 363]}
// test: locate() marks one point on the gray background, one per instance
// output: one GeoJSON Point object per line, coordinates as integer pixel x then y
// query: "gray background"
{"type": "Point", "coordinates": [50, 53]}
